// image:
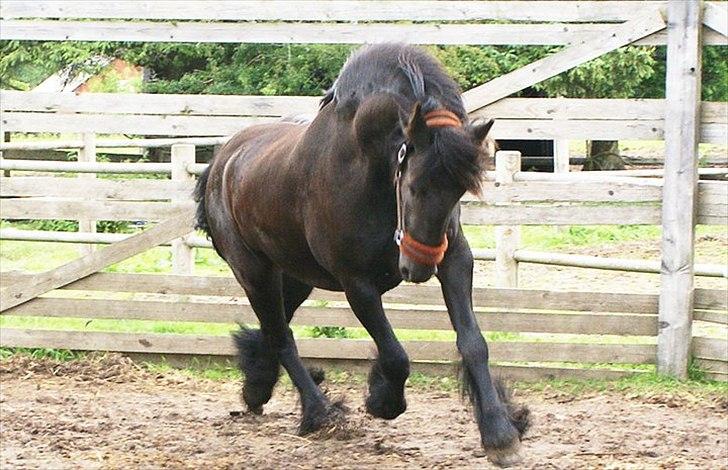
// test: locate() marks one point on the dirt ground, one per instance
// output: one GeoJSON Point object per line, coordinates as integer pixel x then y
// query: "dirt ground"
{"type": "Point", "coordinates": [110, 413]}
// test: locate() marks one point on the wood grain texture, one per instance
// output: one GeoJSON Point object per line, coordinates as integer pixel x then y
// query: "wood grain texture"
{"type": "Point", "coordinates": [710, 348]}
{"type": "Point", "coordinates": [324, 348]}
{"type": "Point", "coordinates": [124, 190]}
{"type": "Point", "coordinates": [232, 105]}
{"type": "Point", "coordinates": [54, 208]}
{"type": "Point", "coordinates": [510, 299]}
{"type": "Point", "coordinates": [679, 207]}
{"type": "Point", "coordinates": [336, 10]}
{"type": "Point", "coordinates": [507, 237]}
{"type": "Point", "coordinates": [401, 317]}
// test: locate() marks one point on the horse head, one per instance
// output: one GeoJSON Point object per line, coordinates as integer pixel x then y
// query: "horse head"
{"type": "Point", "coordinates": [440, 159]}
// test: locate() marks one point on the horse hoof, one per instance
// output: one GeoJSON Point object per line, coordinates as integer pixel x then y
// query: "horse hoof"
{"type": "Point", "coordinates": [506, 456]}
{"type": "Point", "coordinates": [325, 423]}
{"type": "Point", "coordinates": [385, 409]}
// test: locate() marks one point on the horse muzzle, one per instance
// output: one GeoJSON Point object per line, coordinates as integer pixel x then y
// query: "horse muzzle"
{"type": "Point", "coordinates": [417, 261]}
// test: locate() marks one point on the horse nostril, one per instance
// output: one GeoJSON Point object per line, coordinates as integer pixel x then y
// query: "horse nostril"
{"type": "Point", "coordinates": [405, 273]}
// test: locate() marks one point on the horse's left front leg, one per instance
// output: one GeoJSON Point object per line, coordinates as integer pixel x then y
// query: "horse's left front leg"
{"type": "Point", "coordinates": [500, 428]}
{"type": "Point", "coordinates": [391, 369]}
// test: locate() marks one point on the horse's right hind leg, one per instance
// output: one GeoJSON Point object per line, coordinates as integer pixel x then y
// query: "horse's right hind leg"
{"type": "Point", "coordinates": [258, 362]}
{"type": "Point", "coordinates": [263, 285]}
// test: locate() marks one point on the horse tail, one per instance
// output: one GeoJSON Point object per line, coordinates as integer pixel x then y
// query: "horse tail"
{"type": "Point", "coordinates": [199, 196]}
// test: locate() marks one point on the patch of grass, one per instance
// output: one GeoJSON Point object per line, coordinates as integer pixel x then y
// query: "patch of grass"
{"type": "Point", "coordinates": [418, 380]}
{"type": "Point", "coordinates": [196, 369]}
{"type": "Point", "coordinates": [641, 384]}
{"type": "Point", "coordinates": [43, 353]}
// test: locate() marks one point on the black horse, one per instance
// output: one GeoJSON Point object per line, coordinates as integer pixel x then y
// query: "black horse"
{"type": "Point", "coordinates": [364, 196]}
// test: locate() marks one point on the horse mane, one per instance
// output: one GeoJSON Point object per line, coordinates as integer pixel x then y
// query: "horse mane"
{"type": "Point", "coordinates": [416, 76]}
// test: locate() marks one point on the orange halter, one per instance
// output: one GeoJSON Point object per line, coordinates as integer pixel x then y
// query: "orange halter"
{"type": "Point", "coordinates": [421, 253]}
{"type": "Point", "coordinates": [417, 251]}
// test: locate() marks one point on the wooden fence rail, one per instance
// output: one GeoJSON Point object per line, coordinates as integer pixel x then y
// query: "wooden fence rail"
{"type": "Point", "coordinates": [177, 298]}
{"type": "Point", "coordinates": [211, 115]}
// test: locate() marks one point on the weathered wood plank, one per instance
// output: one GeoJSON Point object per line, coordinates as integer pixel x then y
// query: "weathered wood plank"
{"type": "Point", "coordinates": [711, 316]}
{"type": "Point", "coordinates": [337, 10]}
{"type": "Point", "coordinates": [327, 33]}
{"type": "Point", "coordinates": [47, 208]}
{"type": "Point", "coordinates": [480, 214]}
{"type": "Point", "coordinates": [562, 191]}
{"type": "Point", "coordinates": [715, 16]}
{"type": "Point", "coordinates": [679, 208]}
{"type": "Point", "coordinates": [18, 293]}
{"type": "Point", "coordinates": [710, 348]}
{"type": "Point", "coordinates": [715, 133]}
{"type": "Point", "coordinates": [590, 109]}
{"type": "Point", "coordinates": [712, 366]}
{"type": "Point", "coordinates": [156, 104]}
{"type": "Point", "coordinates": [711, 299]}
{"type": "Point", "coordinates": [515, 299]}
{"type": "Point", "coordinates": [324, 348]}
{"type": "Point", "coordinates": [716, 376]}
{"type": "Point", "coordinates": [520, 191]}
{"type": "Point", "coordinates": [36, 208]}
{"type": "Point", "coordinates": [232, 105]}
{"type": "Point", "coordinates": [172, 125]}
{"type": "Point", "coordinates": [128, 190]}
{"type": "Point", "coordinates": [183, 257]}
{"type": "Point", "coordinates": [405, 318]}
{"type": "Point", "coordinates": [127, 124]}
{"type": "Point", "coordinates": [586, 50]}
{"type": "Point", "coordinates": [323, 33]}
{"type": "Point", "coordinates": [507, 237]}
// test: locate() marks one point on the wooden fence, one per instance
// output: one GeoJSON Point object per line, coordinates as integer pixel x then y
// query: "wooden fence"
{"type": "Point", "coordinates": [511, 198]}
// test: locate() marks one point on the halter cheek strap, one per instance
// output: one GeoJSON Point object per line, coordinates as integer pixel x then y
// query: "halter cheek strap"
{"type": "Point", "coordinates": [417, 251]}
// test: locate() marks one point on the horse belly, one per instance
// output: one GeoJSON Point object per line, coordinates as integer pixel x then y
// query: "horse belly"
{"type": "Point", "coordinates": [306, 269]}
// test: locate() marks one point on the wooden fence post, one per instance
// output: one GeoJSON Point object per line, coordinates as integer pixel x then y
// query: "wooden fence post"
{"type": "Point", "coordinates": [183, 259]}
{"type": "Point", "coordinates": [561, 156]}
{"type": "Point", "coordinates": [682, 126]}
{"type": "Point", "coordinates": [87, 154]}
{"type": "Point", "coordinates": [507, 237]}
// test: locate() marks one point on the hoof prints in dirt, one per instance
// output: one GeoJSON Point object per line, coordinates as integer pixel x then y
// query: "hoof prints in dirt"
{"type": "Point", "coordinates": [52, 420]}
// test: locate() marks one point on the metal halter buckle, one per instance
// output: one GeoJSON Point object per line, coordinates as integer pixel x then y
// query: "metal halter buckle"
{"type": "Point", "coordinates": [398, 236]}
{"type": "Point", "coordinates": [402, 153]}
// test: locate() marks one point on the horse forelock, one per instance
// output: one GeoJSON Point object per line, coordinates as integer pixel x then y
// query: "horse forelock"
{"type": "Point", "coordinates": [464, 161]}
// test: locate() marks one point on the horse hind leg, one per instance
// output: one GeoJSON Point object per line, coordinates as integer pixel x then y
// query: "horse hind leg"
{"type": "Point", "coordinates": [263, 286]}
{"type": "Point", "coordinates": [260, 368]}
{"type": "Point", "coordinates": [258, 362]}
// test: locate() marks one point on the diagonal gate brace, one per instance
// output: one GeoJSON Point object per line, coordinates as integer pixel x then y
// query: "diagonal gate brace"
{"type": "Point", "coordinates": [586, 50]}
{"type": "Point", "coordinates": [174, 227]}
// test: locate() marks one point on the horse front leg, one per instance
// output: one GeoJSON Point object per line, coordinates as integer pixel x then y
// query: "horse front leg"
{"type": "Point", "coordinates": [500, 425]}
{"type": "Point", "coordinates": [391, 369]}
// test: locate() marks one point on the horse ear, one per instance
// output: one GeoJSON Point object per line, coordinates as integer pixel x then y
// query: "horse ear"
{"type": "Point", "coordinates": [416, 130]}
{"type": "Point", "coordinates": [479, 131]}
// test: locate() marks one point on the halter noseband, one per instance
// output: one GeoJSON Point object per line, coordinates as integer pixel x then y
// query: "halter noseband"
{"type": "Point", "coordinates": [419, 252]}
